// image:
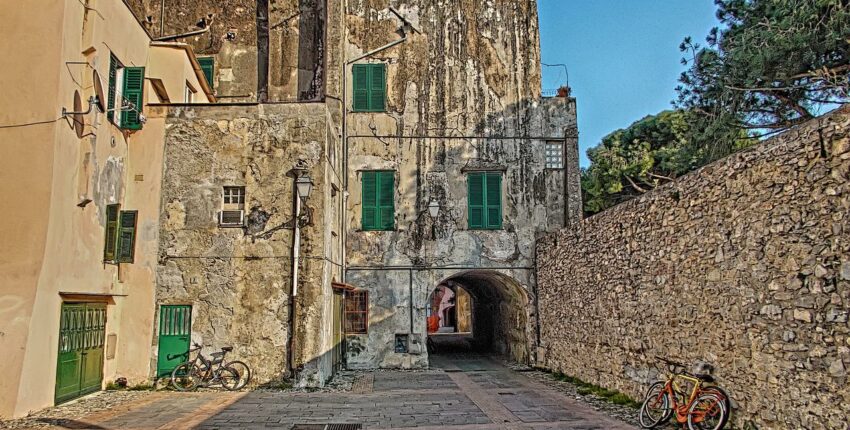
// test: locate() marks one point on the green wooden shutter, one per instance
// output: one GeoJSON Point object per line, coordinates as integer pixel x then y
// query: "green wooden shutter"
{"type": "Point", "coordinates": [377, 87]}
{"type": "Point", "coordinates": [386, 200]}
{"type": "Point", "coordinates": [113, 70]}
{"type": "Point", "coordinates": [111, 241]}
{"type": "Point", "coordinates": [475, 196]}
{"type": "Point", "coordinates": [208, 66]}
{"type": "Point", "coordinates": [493, 190]}
{"type": "Point", "coordinates": [370, 201]}
{"type": "Point", "coordinates": [361, 87]}
{"type": "Point", "coordinates": [127, 236]}
{"type": "Point", "coordinates": [134, 84]}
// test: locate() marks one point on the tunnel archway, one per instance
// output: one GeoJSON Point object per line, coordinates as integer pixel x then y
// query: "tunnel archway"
{"type": "Point", "coordinates": [498, 320]}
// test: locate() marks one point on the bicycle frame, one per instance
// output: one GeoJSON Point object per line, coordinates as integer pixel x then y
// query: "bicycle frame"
{"type": "Point", "coordinates": [210, 374]}
{"type": "Point", "coordinates": [672, 388]}
{"type": "Point", "coordinates": [673, 391]}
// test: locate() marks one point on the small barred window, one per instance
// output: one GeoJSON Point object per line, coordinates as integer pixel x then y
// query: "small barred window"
{"type": "Point", "coordinates": [554, 155]}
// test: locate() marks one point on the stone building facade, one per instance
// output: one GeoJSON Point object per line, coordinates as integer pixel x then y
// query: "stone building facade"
{"type": "Point", "coordinates": [743, 264]}
{"type": "Point", "coordinates": [463, 98]}
{"type": "Point", "coordinates": [459, 96]}
{"type": "Point", "coordinates": [238, 281]}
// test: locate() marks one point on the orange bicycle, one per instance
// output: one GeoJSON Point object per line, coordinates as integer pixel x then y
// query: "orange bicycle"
{"type": "Point", "coordinates": [702, 407]}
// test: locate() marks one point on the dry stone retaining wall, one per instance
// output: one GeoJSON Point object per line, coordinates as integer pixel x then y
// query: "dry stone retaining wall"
{"type": "Point", "coordinates": [744, 264]}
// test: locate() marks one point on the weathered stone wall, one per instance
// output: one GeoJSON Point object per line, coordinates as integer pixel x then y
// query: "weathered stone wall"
{"type": "Point", "coordinates": [239, 280]}
{"type": "Point", "coordinates": [296, 43]}
{"type": "Point", "coordinates": [744, 264]}
{"type": "Point", "coordinates": [471, 72]}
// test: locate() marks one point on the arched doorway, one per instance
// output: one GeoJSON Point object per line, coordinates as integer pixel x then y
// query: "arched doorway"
{"type": "Point", "coordinates": [479, 311]}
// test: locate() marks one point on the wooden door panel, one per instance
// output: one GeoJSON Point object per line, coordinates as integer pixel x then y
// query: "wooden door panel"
{"type": "Point", "coordinates": [175, 334]}
{"type": "Point", "coordinates": [79, 368]}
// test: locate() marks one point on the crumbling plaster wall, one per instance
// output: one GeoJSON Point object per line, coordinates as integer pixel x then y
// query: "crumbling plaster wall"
{"type": "Point", "coordinates": [239, 280]}
{"type": "Point", "coordinates": [296, 43]}
{"type": "Point", "coordinates": [744, 264]}
{"type": "Point", "coordinates": [472, 71]}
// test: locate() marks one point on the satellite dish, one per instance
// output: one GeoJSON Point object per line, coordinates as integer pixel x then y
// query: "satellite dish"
{"type": "Point", "coordinates": [77, 116]}
{"type": "Point", "coordinates": [100, 102]}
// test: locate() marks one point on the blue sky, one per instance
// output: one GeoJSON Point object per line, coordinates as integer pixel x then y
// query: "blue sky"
{"type": "Point", "coordinates": [623, 56]}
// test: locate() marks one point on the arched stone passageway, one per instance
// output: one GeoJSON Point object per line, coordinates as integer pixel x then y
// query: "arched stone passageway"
{"type": "Point", "coordinates": [497, 313]}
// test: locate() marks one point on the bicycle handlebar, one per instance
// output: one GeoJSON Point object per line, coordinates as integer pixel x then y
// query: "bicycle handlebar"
{"type": "Point", "coordinates": [670, 362]}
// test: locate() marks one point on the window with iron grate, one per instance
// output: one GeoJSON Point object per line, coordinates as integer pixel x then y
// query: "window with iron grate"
{"type": "Point", "coordinates": [554, 155]}
{"type": "Point", "coordinates": [357, 312]}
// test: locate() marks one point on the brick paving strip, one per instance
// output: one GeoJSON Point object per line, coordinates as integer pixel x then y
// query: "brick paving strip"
{"type": "Point", "coordinates": [156, 410]}
{"type": "Point", "coordinates": [363, 384]}
{"type": "Point", "coordinates": [204, 412]}
{"type": "Point", "coordinates": [496, 411]}
{"type": "Point", "coordinates": [164, 410]}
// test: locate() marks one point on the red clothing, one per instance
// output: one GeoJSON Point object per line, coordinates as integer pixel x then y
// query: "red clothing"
{"type": "Point", "coordinates": [433, 324]}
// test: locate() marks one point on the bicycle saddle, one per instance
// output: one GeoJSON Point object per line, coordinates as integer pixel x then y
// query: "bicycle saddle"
{"type": "Point", "coordinates": [227, 348]}
{"type": "Point", "coordinates": [705, 377]}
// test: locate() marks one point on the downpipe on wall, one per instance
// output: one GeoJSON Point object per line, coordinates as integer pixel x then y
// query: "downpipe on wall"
{"type": "Point", "coordinates": [293, 295]}
{"type": "Point", "coordinates": [302, 180]}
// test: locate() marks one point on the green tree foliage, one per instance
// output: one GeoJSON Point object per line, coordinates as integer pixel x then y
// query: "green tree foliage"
{"type": "Point", "coordinates": [649, 153]}
{"type": "Point", "coordinates": [772, 64]}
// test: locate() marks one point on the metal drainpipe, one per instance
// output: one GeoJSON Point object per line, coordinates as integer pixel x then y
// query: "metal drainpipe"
{"type": "Point", "coordinates": [344, 168]}
{"type": "Point", "coordinates": [296, 246]}
{"type": "Point", "coordinates": [181, 35]}
{"type": "Point", "coordinates": [162, 18]}
{"type": "Point", "coordinates": [410, 297]}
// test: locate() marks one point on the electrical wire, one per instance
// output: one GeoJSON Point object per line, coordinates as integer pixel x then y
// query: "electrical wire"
{"type": "Point", "coordinates": [30, 123]}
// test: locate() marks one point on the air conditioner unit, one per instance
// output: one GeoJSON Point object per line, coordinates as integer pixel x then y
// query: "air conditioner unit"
{"type": "Point", "coordinates": [235, 218]}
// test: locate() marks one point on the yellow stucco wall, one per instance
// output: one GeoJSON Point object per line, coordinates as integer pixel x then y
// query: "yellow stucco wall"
{"type": "Point", "coordinates": [26, 184]}
{"type": "Point", "coordinates": [49, 245]}
{"type": "Point", "coordinates": [170, 63]}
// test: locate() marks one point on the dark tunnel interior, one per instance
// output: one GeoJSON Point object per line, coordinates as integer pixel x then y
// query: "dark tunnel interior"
{"type": "Point", "coordinates": [498, 317]}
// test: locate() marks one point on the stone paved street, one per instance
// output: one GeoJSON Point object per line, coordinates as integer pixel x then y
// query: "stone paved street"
{"type": "Point", "coordinates": [462, 392]}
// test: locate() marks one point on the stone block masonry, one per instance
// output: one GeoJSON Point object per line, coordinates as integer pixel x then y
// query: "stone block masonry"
{"type": "Point", "coordinates": [744, 264]}
{"type": "Point", "coordinates": [238, 280]}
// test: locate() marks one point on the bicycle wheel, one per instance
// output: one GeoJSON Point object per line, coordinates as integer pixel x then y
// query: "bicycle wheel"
{"type": "Point", "coordinates": [724, 397]}
{"type": "Point", "coordinates": [707, 412]}
{"type": "Point", "coordinates": [656, 408]}
{"type": "Point", "coordinates": [243, 370]}
{"type": "Point", "coordinates": [228, 378]}
{"type": "Point", "coordinates": [186, 377]}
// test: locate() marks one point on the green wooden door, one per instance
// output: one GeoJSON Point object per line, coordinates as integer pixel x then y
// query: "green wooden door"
{"type": "Point", "coordinates": [79, 369]}
{"type": "Point", "coordinates": [338, 348]}
{"type": "Point", "coordinates": [175, 333]}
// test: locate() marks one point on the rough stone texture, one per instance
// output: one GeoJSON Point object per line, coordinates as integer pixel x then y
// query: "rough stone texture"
{"type": "Point", "coordinates": [296, 43]}
{"type": "Point", "coordinates": [471, 72]}
{"type": "Point", "coordinates": [239, 280]}
{"type": "Point", "coordinates": [741, 264]}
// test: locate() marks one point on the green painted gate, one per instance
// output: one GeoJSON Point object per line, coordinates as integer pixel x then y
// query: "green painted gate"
{"type": "Point", "coordinates": [338, 338]}
{"type": "Point", "coordinates": [175, 333]}
{"type": "Point", "coordinates": [79, 369]}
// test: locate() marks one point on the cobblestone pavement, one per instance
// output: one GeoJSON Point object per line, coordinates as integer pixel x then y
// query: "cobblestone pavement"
{"type": "Point", "coordinates": [461, 392]}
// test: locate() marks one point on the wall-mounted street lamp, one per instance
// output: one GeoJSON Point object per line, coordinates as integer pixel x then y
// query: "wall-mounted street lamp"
{"type": "Point", "coordinates": [304, 185]}
{"type": "Point", "coordinates": [434, 209]}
